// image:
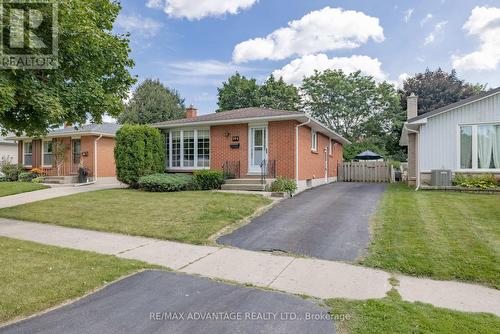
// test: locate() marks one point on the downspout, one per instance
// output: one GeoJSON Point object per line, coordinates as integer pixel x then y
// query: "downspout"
{"type": "Point", "coordinates": [417, 156]}
{"type": "Point", "coordinates": [95, 157]}
{"type": "Point", "coordinates": [297, 149]}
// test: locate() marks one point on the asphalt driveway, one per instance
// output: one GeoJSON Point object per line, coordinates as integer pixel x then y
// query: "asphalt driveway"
{"type": "Point", "coordinates": [166, 302]}
{"type": "Point", "coordinates": [330, 222]}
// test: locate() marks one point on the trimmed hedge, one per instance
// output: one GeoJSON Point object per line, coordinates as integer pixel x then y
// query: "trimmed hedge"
{"type": "Point", "coordinates": [166, 182]}
{"type": "Point", "coordinates": [209, 179]}
{"type": "Point", "coordinates": [139, 151]}
{"type": "Point", "coordinates": [282, 184]}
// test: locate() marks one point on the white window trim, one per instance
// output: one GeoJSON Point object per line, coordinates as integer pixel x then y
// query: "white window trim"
{"type": "Point", "coordinates": [475, 168]}
{"type": "Point", "coordinates": [314, 140]}
{"type": "Point", "coordinates": [43, 153]}
{"type": "Point", "coordinates": [24, 143]}
{"type": "Point", "coordinates": [330, 146]}
{"type": "Point", "coordinates": [181, 158]}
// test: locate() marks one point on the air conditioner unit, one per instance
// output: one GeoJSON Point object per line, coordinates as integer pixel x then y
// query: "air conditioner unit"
{"type": "Point", "coordinates": [441, 177]}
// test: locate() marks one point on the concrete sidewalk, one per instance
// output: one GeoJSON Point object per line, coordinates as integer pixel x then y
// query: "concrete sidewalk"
{"type": "Point", "coordinates": [58, 191]}
{"type": "Point", "coordinates": [317, 278]}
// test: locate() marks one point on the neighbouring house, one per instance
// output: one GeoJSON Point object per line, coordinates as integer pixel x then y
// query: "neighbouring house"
{"type": "Point", "coordinates": [8, 149]}
{"type": "Point", "coordinates": [463, 137]}
{"type": "Point", "coordinates": [90, 146]}
{"type": "Point", "coordinates": [254, 143]}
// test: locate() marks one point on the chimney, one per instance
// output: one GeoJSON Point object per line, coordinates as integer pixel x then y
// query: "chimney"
{"type": "Point", "coordinates": [412, 106]}
{"type": "Point", "coordinates": [191, 112]}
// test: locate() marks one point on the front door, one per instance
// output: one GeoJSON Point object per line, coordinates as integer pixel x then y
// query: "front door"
{"type": "Point", "coordinates": [258, 148]}
{"type": "Point", "coordinates": [75, 155]}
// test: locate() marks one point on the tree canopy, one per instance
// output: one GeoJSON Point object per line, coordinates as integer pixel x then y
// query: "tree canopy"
{"type": "Point", "coordinates": [240, 92]}
{"type": "Point", "coordinates": [356, 107]}
{"type": "Point", "coordinates": [437, 89]}
{"type": "Point", "coordinates": [92, 78]}
{"type": "Point", "coordinates": [152, 102]}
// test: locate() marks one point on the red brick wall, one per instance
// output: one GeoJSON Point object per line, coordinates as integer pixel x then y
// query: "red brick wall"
{"type": "Point", "coordinates": [311, 163]}
{"type": "Point", "coordinates": [106, 161]}
{"type": "Point", "coordinates": [105, 157]}
{"type": "Point", "coordinates": [282, 147]}
{"type": "Point", "coordinates": [220, 151]}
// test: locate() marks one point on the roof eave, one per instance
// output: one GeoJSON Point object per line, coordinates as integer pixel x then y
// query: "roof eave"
{"type": "Point", "coordinates": [229, 121]}
{"type": "Point", "coordinates": [68, 134]}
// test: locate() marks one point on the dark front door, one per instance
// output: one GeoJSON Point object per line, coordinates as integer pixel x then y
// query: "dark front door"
{"type": "Point", "coordinates": [76, 146]}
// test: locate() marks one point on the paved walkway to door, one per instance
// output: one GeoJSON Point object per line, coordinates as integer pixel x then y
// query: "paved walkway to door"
{"type": "Point", "coordinates": [331, 222]}
{"type": "Point", "coordinates": [53, 192]}
{"type": "Point", "coordinates": [316, 278]}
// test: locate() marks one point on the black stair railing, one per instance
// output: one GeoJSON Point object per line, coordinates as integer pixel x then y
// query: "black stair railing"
{"type": "Point", "coordinates": [267, 170]}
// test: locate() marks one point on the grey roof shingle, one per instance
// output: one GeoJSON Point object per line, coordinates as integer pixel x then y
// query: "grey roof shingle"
{"type": "Point", "coordinates": [104, 128]}
{"type": "Point", "coordinates": [231, 115]}
{"type": "Point", "coordinates": [456, 104]}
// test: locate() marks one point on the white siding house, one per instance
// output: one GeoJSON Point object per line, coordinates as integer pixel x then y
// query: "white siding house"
{"type": "Point", "coordinates": [463, 137]}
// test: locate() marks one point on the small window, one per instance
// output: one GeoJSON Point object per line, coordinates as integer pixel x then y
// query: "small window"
{"type": "Point", "coordinates": [314, 140]}
{"type": "Point", "coordinates": [47, 153]}
{"type": "Point", "coordinates": [27, 154]}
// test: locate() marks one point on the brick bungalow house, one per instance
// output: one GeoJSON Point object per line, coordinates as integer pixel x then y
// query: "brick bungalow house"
{"type": "Point", "coordinates": [90, 146]}
{"type": "Point", "coordinates": [253, 142]}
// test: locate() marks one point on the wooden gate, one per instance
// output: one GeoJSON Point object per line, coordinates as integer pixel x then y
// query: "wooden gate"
{"type": "Point", "coordinates": [365, 171]}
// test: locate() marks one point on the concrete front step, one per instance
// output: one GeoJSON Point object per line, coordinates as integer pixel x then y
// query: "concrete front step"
{"type": "Point", "coordinates": [60, 179]}
{"type": "Point", "coordinates": [246, 187]}
{"type": "Point", "coordinates": [244, 181]}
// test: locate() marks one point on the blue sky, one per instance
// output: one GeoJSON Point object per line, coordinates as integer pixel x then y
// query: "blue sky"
{"type": "Point", "coordinates": [195, 45]}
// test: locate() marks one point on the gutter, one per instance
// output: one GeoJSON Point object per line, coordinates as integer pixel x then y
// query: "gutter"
{"type": "Point", "coordinates": [297, 149]}
{"type": "Point", "coordinates": [95, 157]}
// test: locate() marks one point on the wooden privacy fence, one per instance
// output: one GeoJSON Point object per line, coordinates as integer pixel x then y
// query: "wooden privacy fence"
{"type": "Point", "coordinates": [365, 171]}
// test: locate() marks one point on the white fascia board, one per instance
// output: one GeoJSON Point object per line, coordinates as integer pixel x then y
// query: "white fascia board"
{"type": "Point", "coordinates": [61, 135]}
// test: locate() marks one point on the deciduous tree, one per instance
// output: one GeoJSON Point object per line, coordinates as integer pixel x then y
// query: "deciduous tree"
{"type": "Point", "coordinates": [152, 102]}
{"type": "Point", "coordinates": [92, 78]}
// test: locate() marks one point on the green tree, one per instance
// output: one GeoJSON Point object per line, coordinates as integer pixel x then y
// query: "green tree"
{"type": "Point", "coordinates": [277, 94]}
{"type": "Point", "coordinates": [139, 151]}
{"type": "Point", "coordinates": [92, 78]}
{"type": "Point", "coordinates": [238, 92]}
{"type": "Point", "coordinates": [437, 89]}
{"type": "Point", "coordinates": [356, 107]}
{"type": "Point", "coordinates": [152, 102]}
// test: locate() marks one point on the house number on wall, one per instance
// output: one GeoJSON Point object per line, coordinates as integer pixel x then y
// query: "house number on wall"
{"type": "Point", "coordinates": [236, 138]}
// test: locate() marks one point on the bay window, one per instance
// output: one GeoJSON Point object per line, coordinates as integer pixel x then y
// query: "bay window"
{"type": "Point", "coordinates": [188, 149]}
{"type": "Point", "coordinates": [480, 146]}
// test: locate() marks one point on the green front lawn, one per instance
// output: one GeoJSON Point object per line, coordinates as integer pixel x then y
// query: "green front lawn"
{"type": "Point", "coordinates": [443, 235]}
{"type": "Point", "coordinates": [190, 216]}
{"type": "Point", "coordinates": [12, 188]}
{"type": "Point", "coordinates": [34, 277]}
{"type": "Point", "coordinates": [392, 315]}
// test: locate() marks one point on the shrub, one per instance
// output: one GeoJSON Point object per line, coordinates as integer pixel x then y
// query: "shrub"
{"type": "Point", "coordinates": [139, 152]}
{"type": "Point", "coordinates": [484, 181]}
{"type": "Point", "coordinates": [26, 177]}
{"type": "Point", "coordinates": [11, 171]}
{"type": "Point", "coordinates": [37, 171]}
{"type": "Point", "coordinates": [283, 184]}
{"type": "Point", "coordinates": [38, 179]}
{"type": "Point", "coordinates": [166, 182]}
{"type": "Point", "coordinates": [208, 179]}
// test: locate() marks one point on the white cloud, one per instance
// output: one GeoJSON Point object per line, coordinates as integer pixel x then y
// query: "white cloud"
{"type": "Point", "coordinates": [138, 25]}
{"type": "Point", "coordinates": [198, 9]}
{"type": "Point", "coordinates": [299, 68]}
{"type": "Point", "coordinates": [438, 28]}
{"type": "Point", "coordinates": [318, 31]}
{"type": "Point", "coordinates": [408, 15]}
{"type": "Point", "coordinates": [205, 68]}
{"type": "Point", "coordinates": [484, 23]}
{"type": "Point", "coordinates": [401, 79]}
{"type": "Point", "coordinates": [426, 19]}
